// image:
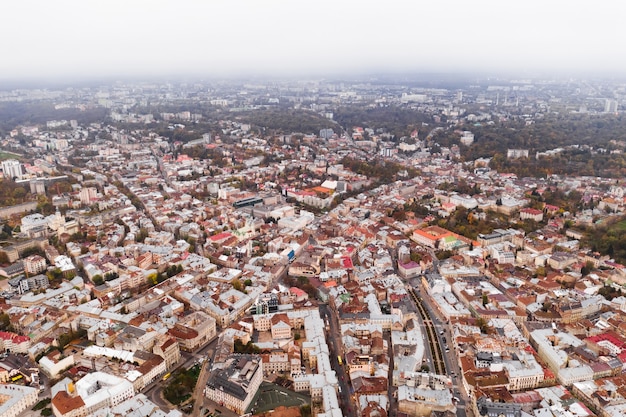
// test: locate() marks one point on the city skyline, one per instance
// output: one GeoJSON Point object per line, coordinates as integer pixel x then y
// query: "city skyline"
{"type": "Point", "coordinates": [70, 39]}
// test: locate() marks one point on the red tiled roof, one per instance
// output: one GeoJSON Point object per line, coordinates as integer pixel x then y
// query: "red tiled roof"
{"type": "Point", "coordinates": [15, 338]}
{"type": "Point", "coordinates": [65, 403]}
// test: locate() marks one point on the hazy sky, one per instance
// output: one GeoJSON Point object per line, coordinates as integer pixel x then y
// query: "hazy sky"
{"type": "Point", "coordinates": [94, 38]}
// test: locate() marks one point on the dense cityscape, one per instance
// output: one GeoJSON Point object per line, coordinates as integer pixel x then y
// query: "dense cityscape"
{"type": "Point", "coordinates": [380, 247]}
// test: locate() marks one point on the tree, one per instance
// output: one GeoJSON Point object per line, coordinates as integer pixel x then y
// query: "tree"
{"type": "Point", "coordinates": [237, 285]}
{"type": "Point", "coordinates": [172, 270]}
{"type": "Point", "coordinates": [305, 410]}
{"type": "Point", "coordinates": [141, 235]}
{"type": "Point", "coordinates": [152, 279]}
{"type": "Point", "coordinates": [416, 257]}
{"type": "Point", "coordinates": [97, 279]}
{"type": "Point", "coordinates": [5, 322]}
{"type": "Point", "coordinates": [585, 270]}
{"type": "Point", "coordinates": [249, 347]}
{"type": "Point", "coordinates": [110, 276]}
{"type": "Point", "coordinates": [485, 300]}
{"type": "Point", "coordinates": [482, 325]}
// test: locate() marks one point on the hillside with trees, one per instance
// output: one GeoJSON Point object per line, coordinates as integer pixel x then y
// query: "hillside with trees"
{"type": "Point", "coordinates": [287, 120]}
{"type": "Point", "coordinates": [396, 120]}
{"type": "Point", "coordinates": [589, 145]}
{"type": "Point", "coordinates": [14, 114]}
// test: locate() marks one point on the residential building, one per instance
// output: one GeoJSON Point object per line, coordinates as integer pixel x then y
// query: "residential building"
{"type": "Point", "coordinates": [53, 364]}
{"type": "Point", "coordinates": [194, 330]}
{"type": "Point", "coordinates": [12, 169]}
{"type": "Point", "coordinates": [531, 214]}
{"type": "Point", "coordinates": [11, 342]}
{"type": "Point", "coordinates": [65, 404]}
{"type": "Point", "coordinates": [99, 390]}
{"type": "Point", "coordinates": [169, 350]}
{"type": "Point", "coordinates": [16, 398]}
{"type": "Point", "coordinates": [281, 329]}
{"type": "Point", "coordinates": [34, 264]}
{"type": "Point", "coordinates": [235, 385]}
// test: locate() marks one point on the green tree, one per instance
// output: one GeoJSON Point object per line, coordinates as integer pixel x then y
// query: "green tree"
{"type": "Point", "coordinates": [141, 235]}
{"type": "Point", "coordinates": [97, 279]}
{"type": "Point", "coordinates": [237, 285]}
{"type": "Point", "coordinates": [585, 270]}
{"type": "Point", "coordinates": [305, 410]}
{"type": "Point", "coordinates": [482, 325]}
{"type": "Point", "coordinates": [416, 257]}
{"type": "Point", "coordinates": [5, 322]}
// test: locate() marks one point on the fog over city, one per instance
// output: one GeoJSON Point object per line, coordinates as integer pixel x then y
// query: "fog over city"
{"type": "Point", "coordinates": [68, 39]}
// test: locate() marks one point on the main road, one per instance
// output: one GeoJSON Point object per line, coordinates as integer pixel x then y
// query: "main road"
{"type": "Point", "coordinates": [440, 338]}
{"type": "Point", "coordinates": [333, 337]}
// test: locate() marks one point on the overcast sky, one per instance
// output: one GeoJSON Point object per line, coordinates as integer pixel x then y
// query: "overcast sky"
{"type": "Point", "coordinates": [95, 38]}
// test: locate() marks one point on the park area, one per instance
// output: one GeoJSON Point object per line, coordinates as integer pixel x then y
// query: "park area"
{"type": "Point", "coordinates": [181, 385]}
{"type": "Point", "coordinates": [271, 396]}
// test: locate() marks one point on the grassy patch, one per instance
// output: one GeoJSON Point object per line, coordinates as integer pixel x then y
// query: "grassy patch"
{"type": "Point", "coordinates": [41, 404]}
{"type": "Point", "coordinates": [181, 385]}
{"type": "Point", "coordinates": [621, 226]}
{"type": "Point", "coordinates": [7, 155]}
{"type": "Point", "coordinates": [271, 396]}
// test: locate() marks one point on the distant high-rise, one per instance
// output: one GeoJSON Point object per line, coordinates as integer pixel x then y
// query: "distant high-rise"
{"type": "Point", "coordinates": [610, 106]}
{"type": "Point", "coordinates": [12, 168]}
{"type": "Point", "coordinates": [37, 187]}
{"type": "Point", "coordinates": [326, 133]}
{"type": "Point", "coordinates": [467, 138]}
{"type": "Point", "coordinates": [87, 195]}
{"type": "Point", "coordinates": [516, 153]}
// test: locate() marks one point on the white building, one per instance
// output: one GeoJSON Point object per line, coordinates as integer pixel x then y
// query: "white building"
{"type": "Point", "coordinates": [235, 385]}
{"type": "Point", "coordinates": [99, 390]}
{"type": "Point", "coordinates": [551, 347]}
{"type": "Point", "coordinates": [34, 264]}
{"type": "Point", "coordinates": [525, 373]}
{"type": "Point", "coordinates": [87, 195]}
{"type": "Point", "coordinates": [16, 398]}
{"type": "Point", "coordinates": [12, 168]}
{"type": "Point", "coordinates": [52, 367]}
{"type": "Point", "coordinates": [33, 223]}
{"type": "Point", "coordinates": [297, 222]}
{"type": "Point", "coordinates": [464, 200]}
{"type": "Point", "coordinates": [517, 153]}
{"type": "Point", "coordinates": [467, 138]}
{"type": "Point", "coordinates": [138, 406]}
